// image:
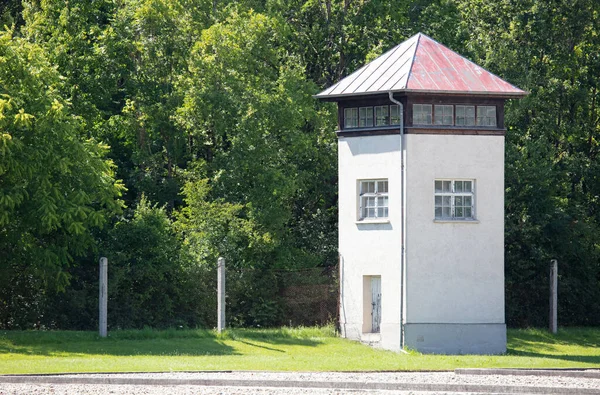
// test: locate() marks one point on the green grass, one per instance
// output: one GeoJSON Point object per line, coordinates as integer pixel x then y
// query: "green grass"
{"type": "Point", "coordinates": [303, 349]}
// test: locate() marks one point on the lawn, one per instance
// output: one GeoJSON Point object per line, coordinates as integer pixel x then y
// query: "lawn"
{"type": "Point", "coordinates": [304, 349]}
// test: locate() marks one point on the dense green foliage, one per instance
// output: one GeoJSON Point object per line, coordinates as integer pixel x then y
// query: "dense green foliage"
{"type": "Point", "coordinates": [551, 49]}
{"type": "Point", "coordinates": [203, 109]}
{"type": "Point", "coordinates": [55, 186]}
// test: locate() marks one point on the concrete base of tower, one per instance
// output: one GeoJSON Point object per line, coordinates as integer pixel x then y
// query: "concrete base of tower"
{"type": "Point", "coordinates": [456, 338]}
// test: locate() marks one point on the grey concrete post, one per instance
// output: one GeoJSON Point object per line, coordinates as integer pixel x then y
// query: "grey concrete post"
{"type": "Point", "coordinates": [103, 299]}
{"type": "Point", "coordinates": [221, 294]}
{"type": "Point", "coordinates": [553, 296]}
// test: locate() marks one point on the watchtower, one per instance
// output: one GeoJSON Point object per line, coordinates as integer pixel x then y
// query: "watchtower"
{"type": "Point", "coordinates": [421, 201]}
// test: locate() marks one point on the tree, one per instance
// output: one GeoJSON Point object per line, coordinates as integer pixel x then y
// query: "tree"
{"type": "Point", "coordinates": [55, 185]}
{"type": "Point", "coordinates": [247, 104]}
{"type": "Point", "coordinates": [211, 229]}
{"type": "Point", "coordinates": [151, 279]}
{"type": "Point", "coordinates": [549, 48]}
{"type": "Point", "coordinates": [332, 38]}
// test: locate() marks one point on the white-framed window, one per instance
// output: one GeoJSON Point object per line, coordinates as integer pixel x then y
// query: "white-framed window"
{"type": "Point", "coordinates": [365, 117]}
{"type": "Point", "coordinates": [422, 114]}
{"type": "Point", "coordinates": [382, 116]}
{"type": "Point", "coordinates": [444, 114]}
{"type": "Point", "coordinates": [454, 199]}
{"type": "Point", "coordinates": [373, 199]}
{"type": "Point", "coordinates": [486, 115]}
{"type": "Point", "coordinates": [350, 117]}
{"type": "Point", "coordinates": [465, 115]}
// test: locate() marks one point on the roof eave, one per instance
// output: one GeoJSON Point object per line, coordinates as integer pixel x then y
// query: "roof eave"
{"type": "Point", "coordinates": [506, 95]}
{"type": "Point", "coordinates": [348, 95]}
{"type": "Point", "coordinates": [501, 94]}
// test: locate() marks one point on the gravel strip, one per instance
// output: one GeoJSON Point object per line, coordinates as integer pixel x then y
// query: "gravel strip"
{"type": "Point", "coordinates": [255, 383]}
{"type": "Point", "coordinates": [580, 373]}
{"type": "Point", "coordinates": [387, 377]}
{"type": "Point", "coordinates": [92, 389]}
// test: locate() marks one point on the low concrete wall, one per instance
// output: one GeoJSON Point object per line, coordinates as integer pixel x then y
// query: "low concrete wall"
{"type": "Point", "coordinates": [456, 338]}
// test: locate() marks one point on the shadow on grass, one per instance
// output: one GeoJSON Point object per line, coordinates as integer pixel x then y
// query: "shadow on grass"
{"type": "Point", "coordinates": [259, 346]}
{"type": "Point", "coordinates": [568, 344]}
{"type": "Point", "coordinates": [146, 342]}
{"type": "Point", "coordinates": [119, 347]}
{"type": "Point", "coordinates": [591, 359]}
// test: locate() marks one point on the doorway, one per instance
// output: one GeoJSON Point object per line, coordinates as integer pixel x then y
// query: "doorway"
{"type": "Point", "coordinates": [371, 304]}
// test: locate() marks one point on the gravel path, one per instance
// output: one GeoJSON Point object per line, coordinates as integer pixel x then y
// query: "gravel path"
{"type": "Point", "coordinates": [569, 384]}
{"type": "Point", "coordinates": [387, 377]}
{"type": "Point", "coordinates": [94, 389]}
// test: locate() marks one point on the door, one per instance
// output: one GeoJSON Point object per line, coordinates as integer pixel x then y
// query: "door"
{"type": "Point", "coordinates": [376, 304]}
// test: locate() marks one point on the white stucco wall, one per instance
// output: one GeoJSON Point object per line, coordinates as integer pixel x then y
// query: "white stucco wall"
{"type": "Point", "coordinates": [369, 249]}
{"type": "Point", "coordinates": [455, 271]}
{"type": "Point", "coordinates": [454, 294]}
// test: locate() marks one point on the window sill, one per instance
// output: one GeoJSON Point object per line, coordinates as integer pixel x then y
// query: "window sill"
{"type": "Point", "coordinates": [456, 221]}
{"type": "Point", "coordinates": [373, 221]}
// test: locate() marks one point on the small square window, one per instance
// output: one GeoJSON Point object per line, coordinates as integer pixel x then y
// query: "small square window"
{"type": "Point", "coordinates": [444, 115]}
{"type": "Point", "coordinates": [454, 199]}
{"type": "Point", "coordinates": [373, 199]}
{"type": "Point", "coordinates": [422, 114]}
{"type": "Point", "coordinates": [465, 115]}
{"type": "Point", "coordinates": [486, 115]}
{"type": "Point", "coordinates": [350, 118]}
{"type": "Point", "coordinates": [365, 119]}
{"type": "Point", "coordinates": [382, 116]}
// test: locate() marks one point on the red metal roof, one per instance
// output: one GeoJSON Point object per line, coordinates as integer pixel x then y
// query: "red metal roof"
{"type": "Point", "coordinates": [421, 64]}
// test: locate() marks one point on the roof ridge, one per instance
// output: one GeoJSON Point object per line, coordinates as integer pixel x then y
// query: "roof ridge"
{"type": "Point", "coordinates": [412, 60]}
{"type": "Point", "coordinates": [407, 49]}
{"type": "Point", "coordinates": [361, 70]}
{"type": "Point", "coordinates": [391, 52]}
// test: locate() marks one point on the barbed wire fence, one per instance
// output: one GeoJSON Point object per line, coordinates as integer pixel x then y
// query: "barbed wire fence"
{"type": "Point", "coordinates": [309, 296]}
{"type": "Point", "coordinates": [289, 297]}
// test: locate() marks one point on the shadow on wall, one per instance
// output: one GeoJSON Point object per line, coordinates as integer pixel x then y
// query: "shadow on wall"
{"type": "Point", "coordinates": [370, 146]}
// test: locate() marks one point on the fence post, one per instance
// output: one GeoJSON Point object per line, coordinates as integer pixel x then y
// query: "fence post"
{"type": "Point", "coordinates": [221, 294]}
{"type": "Point", "coordinates": [103, 297]}
{"type": "Point", "coordinates": [553, 296]}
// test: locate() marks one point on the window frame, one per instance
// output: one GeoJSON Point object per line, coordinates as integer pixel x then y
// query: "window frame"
{"type": "Point", "coordinates": [455, 199]}
{"type": "Point", "coordinates": [486, 116]}
{"type": "Point", "coordinates": [380, 116]}
{"type": "Point", "coordinates": [397, 117]}
{"type": "Point", "coordinates": [377, 110]}
{"type": "Point", "coordinates": [417, 120]}
{"type": "Point", "coordinates": [480, 118]}
{"type": "Point", "coordinates": [346, 117]}
{"type": "Point", "coordinates": [376, 195]}
{"type": "Point", "coordinates": [367, 117]}
{"type": "Point", "coordinates": [440, 107]}
{"type": "Point", "coordinates": [464, 116]}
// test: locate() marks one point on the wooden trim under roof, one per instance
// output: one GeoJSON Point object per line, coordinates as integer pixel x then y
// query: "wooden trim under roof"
{"type": "Point", "coordinates": [456, 131]}
{"type": "Point", "coordinates": [420, 130]}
